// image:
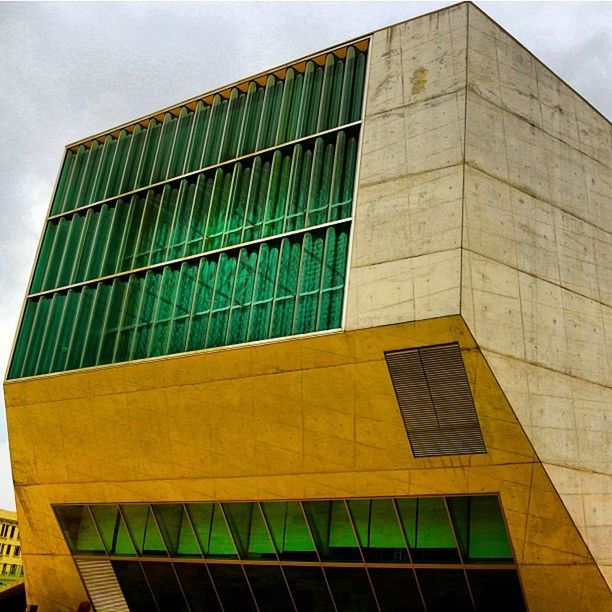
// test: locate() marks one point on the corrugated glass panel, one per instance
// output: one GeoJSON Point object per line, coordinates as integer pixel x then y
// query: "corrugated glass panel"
{"type": "Point", "coordinates": [286, 288]}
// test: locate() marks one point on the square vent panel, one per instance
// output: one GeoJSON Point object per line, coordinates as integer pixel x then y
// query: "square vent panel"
{"type": "Point", "coordinates": [435, 400]}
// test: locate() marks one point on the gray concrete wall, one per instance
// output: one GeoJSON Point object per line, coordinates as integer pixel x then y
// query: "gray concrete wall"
{"type": "Point", "coordinates": [537, 265]}
{"type": "Point", "coordinates": [406, 257]}
{"type": "Point", "coordinates": [485, 189]}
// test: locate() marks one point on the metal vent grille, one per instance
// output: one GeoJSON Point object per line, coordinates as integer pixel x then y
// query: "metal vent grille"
{"type": "Point", "coordinates": [435, 400]}
{"type": "Point", "coordinates": [102, 585]}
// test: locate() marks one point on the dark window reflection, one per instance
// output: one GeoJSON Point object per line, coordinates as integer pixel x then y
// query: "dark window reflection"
{"type": "Point", "coordinates": [197, 587]}
{"type": "Point", "coordinates": [496, 590]}
{"type": "Point", "coordinates": [269, 587]}
{"type": "Point", "coordinates": [232, 587]}
{"type": "Point", "coordinates": [309, 589]}
{"type": "Point", "coordinates": [165, 588]}
{"type": "Point", "coordinates": [350, 589]}
{"type": "Point", "coordinates": [396, 590]}
{"type": "Point", "coordinates": [134, 586]}
{"type": "Point", "coordinates": [444, 590]}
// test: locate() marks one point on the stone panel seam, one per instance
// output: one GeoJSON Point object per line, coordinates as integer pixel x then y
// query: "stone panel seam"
{"type": "Point", "coordinates": [477, 168]}
{"type": "Point", "coordinates": [532, 275]}
{"type": "Point", "coordinates": [507, 111]}
{"type": "Point", "coordinates": [407, 175]}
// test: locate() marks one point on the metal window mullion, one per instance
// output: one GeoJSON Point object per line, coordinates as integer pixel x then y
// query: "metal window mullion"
{"type": "Point", "coordinates": [363, 560]}
{"type": "Point", "coordinates": [407, 546]}
{"type": "Point", "coordinates": [458, 547]}
{"type": "Point", "coordinates": [278, 560]}
{"type": "Point", "coordinates": [319, 560]}
{"type": "Point", "coordinates": [138, 559]}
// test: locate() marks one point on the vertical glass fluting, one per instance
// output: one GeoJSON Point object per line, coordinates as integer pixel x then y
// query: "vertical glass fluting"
{"type": "Point", "coordinates": [280, 287]}
{"type": "Point", "coordinates": [291, 188]}
{"type": "Point", "coordinates": [319, 96]}
{"type": "Point", "coordinates": [251, 244]}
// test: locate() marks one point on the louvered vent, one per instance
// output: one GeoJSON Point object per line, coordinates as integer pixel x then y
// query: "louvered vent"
{"type": "Point", "coordinates": [435, 400]}
{"type": "Point", "coordinates": [102, 585]}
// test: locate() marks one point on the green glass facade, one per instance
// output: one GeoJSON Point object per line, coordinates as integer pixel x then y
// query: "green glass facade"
{"type": "Point", "coordinates": [356, 554]}
{"type": "Point", "coordinates": [226, 221]}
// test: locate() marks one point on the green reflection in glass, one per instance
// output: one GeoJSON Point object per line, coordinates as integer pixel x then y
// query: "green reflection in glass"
{"type": "Point", "coordinates": [289, 530]}
{"type": "Point", "coordinates": [480, 528]}
{"type": "Point", "coordinates": [79, 530]}
{"type": "Point", "coordinates": [142, 526]}
{"type": "Point", "coordinates": [212, 530]}
{"type": "Point", "coordinates": [113, 530]}
{"type": "Point", "coordinates": [176, 530]}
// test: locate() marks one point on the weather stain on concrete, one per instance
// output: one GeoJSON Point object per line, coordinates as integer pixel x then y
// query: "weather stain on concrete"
{"type": "Point", "coordinates": [419, 80]}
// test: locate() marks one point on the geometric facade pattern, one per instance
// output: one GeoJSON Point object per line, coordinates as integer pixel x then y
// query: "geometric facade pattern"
{"type": "Point", "coordinates": [354, 554]}
{"type": "Point", "coordinates": [226, 222]}
{"type": "Point", "coordinates": [233, 297]}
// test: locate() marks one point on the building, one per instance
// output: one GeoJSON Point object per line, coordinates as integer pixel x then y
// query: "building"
{"type": "Point", "coordinates": [11, 565]}
{"type": "Point", "coordinates": [333, 337]}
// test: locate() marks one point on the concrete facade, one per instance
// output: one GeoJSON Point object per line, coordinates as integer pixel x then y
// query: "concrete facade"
{"type": "Point", "coordinates": [486, 191]}
{"type": "Point", "coordinates": [483, 215]}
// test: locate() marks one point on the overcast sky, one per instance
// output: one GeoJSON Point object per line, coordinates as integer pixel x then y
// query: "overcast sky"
{"type": "Point", "coordinates": [68, 70]}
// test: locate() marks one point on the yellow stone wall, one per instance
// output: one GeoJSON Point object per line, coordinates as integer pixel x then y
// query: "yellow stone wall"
{"type": "Point", "coordinates": [312, 417]}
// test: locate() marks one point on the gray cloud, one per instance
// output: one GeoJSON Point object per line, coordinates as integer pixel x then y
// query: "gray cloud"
{"type": "Point", "coordinates": [73, 69]}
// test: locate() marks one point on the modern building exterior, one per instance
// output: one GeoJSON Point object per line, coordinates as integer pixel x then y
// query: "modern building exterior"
{"type": "Point", "coordinates": [11, 565]}
{"type": "Point", "coordinates": [336, 337]}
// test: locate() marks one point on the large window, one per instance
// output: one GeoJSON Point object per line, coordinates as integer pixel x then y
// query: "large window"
{"type": "Point", "coordinates": [430, 553]}
{"type": "Point", "coordinates": [219, 222]}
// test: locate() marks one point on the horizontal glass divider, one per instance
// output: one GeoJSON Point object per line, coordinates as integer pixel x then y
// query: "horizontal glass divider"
{"type": "Point", "coordinates": [268, 562]}
{"type": "Point", "coordinates": [233, 160]}
{"type": "Point", "coordinates": [196, 256]}
{"type": "Point", "coordinates": [361, 43]}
